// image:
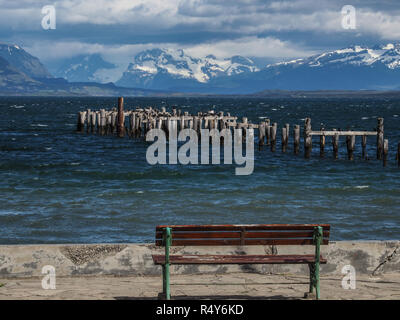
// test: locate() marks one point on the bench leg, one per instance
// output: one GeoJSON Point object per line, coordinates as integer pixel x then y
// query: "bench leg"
{"type": "Point", "coordinates": [317, 291]}
{"type": "Point", "coordinates": [166, 286]}
{"type": "Point", "coordinates": [312, 277]}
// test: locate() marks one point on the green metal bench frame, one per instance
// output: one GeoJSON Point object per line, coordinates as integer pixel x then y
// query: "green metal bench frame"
{"type": "Point", "coordinates": [314, 268]}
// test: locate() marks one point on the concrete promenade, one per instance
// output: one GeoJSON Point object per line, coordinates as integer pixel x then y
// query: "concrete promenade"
{"type": "Point", "coordinates": [205, 286]}
{"type": "Point", "coordinates": [126, 271]}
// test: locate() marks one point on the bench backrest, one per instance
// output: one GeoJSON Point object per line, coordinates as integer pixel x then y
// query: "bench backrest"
{"type": "Point", "coordinates": [248, 234]}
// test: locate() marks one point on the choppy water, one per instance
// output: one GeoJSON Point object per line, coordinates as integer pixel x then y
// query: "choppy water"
{"type": "Point", "coordinates": [57, 186]}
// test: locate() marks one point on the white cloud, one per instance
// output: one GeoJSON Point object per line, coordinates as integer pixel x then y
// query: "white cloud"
{"type": "Point", "coordinates": [268, 47]}
{"type": "Point", "coordinates": [246, 46]}
{"type": "Point", "coordinates": [247, 22]}
{"type": "Point", "coordinates": [242, 17]}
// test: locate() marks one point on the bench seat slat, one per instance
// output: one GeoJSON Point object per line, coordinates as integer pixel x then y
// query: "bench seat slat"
{"type": "Point", "coordinates": [201, 235]}
{"type": "Point", "coordinates": [237, 235]}
{"type": "Point", "coordinates": [238, 259]}
{"type": "Point", "coordinates": [239, 227]}
{"type": "Point", "coordinates": [238, 242]}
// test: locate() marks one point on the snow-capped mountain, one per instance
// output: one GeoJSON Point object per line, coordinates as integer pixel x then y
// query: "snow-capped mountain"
{"type": "Point", "coordinates": [171, 69]}
{"type": "Point", "coordinates": [352, 68]}
{"type": "Point", "coordinates": [86, 68]}
{"type": "Point", "coordinates": [23, 61]}
{"type": "Point", "coordinates": [387, 55]}
{"type": "Point", "coordinates": [24, 74]}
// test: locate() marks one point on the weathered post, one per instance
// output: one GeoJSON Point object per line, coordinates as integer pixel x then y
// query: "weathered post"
{"type": "Point", "coordinates": [385, 151]}
{"type": "Point", "coordinates": [307, 138]}
{"type": "Point", "coordinates": [182, 123]}
{"type": "Point", "coordinates": [296, 138]}
{"type": "Point", "coordinates": [113, 122]}
{"type": "Point", "coordinates": [364, 146]}
{"type": "Point", "coordinates": [267, 131]}
{"type": "Point", "coordinates": [274, 128]}
{"type": "Point", "coordinates": [350, 142]}
{"type": "Point", "coordinates": [81, 121]}
{"type": "Point", "coordinates": [245, 125]}
{"type": "Point", "coordinates": [379, 139]}
{"type": "Point", "coordinates": [87, 120]}
{"type": "Point", "coordinates": [98, 120]}
{"type": "Point", "coordinates": [322, 143]}
{"type": "Point", "coordinates": [131, 124]}
{"type": "Point", "coordinates": [261, 134]}
{"type": "Point", "coordinates": [102, 121]}
{"type": "Point", "coordinates": [92, 121]}
{"type": "Point", "coordinates": [108, 124]}
{"type": "Point", "coordinates": [121, 118]}
{"type": "Point", "coordinates": [335, 145]}
{"type": "Point", "coordinates": [196, 124]}
{"type": "Point", "coordinates": [285, 137]}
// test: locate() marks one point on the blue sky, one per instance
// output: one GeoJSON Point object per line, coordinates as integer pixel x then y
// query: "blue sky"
{"type": "Point", "coordinates": [267, 30]}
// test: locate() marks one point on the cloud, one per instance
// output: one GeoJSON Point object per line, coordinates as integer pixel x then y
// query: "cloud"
{"type": "Point", "coordinates": [119, 29]}
{"type": "Point", "coordinates": [240, 17]}
{"type": "Point", "coordinates": [268, 47]}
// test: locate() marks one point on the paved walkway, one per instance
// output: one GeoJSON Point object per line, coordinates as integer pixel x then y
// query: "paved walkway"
{"type": "Point", "coordinates": [224, 286]}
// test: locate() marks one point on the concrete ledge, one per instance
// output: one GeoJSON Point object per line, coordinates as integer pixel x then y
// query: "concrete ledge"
{"type": "Point", "coordinates": [16, 261]}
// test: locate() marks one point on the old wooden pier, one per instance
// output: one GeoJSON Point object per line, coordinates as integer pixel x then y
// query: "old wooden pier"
{"type": "Point", "coordinates": [136, 123]}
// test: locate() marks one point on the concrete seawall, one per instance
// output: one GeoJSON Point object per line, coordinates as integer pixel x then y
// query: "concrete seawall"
{"type": "Point", "coordinates": [16, 261]}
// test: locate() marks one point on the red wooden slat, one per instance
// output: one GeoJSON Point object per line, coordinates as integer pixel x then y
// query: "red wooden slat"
{"type": "Point", "coordinates": [238, 259]}
{"type": "Point", "coordinates": [200, 235]}
{"type": "Point", "coordinates": [236, 235]}
{"type": "Point", "coordinates": [283, 234]}
{"type": "Point", "coordinates": [234, 242]}
{"type": "Point", "coordinates": [244, 226]}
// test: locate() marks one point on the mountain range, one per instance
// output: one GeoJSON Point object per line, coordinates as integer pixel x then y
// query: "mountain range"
{"type": "Point", "coordinates": [174, 70]}
{"type": "Point", "coordinates": [85, 68]}
{"type": "Point", "coordinates": [163, 71]}
{"type": "Point", "coordinates": [23, 74]}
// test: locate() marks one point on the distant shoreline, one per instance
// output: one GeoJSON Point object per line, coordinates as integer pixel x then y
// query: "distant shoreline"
{"type": "Point", "coordinates": [297, 94]}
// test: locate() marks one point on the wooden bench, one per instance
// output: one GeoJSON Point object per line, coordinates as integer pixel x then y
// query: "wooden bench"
{"type": "Point", "coordinates": [241, 235]}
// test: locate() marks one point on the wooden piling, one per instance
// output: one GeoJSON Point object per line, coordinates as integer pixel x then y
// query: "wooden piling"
{"type": "Point", "coordinates": [385, 151]}
{"type": "Point", "coordinates": [296, 138]}
{"type": "Point", "coordinates": [273, 129]}
{"type": "Point", "coordinates": [92, 121]}
{"type": "Point", "coordinates": [81, 122]}
{"type": "Point", "coordinates": [364, 146]}
{"type": "Point", "coordinates": [98, 120]}
{"type": "Point", "coordinates": [87, 120]}
{"type": "Point", "coordinates": [121, 118]}
{"type": "Point", "coordinates": [307, 138]}
{"type": "Point", "coordinates": [108, 123]}
{"type": "Point", "coordinates": [379, 139]}
{"type": "Point", "coordinates": [143, 119]}
{"type": "Point", "coordinates": [261, 134]}
{"type": "Point", "coordinates": [267, 131]}
{"type": "Point", "coordinates": [102, 121]}
{"type": "Point", "coordinates": [350, 142]}
{"type": "Point", "coordinates": [322, 144]}
{"type": "Point", "coordinates": [113, 122]}
{"type": "Point", "coordinates": [335, 145]}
